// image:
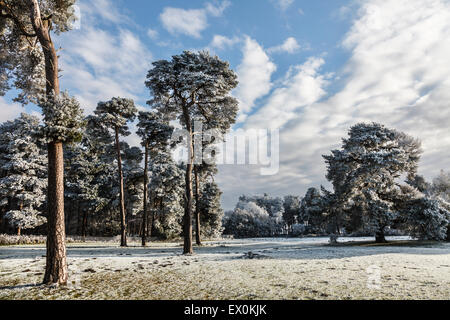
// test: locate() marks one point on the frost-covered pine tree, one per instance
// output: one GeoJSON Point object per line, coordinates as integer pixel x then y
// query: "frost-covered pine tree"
{"type": "Point", "coordinates": [426, 218]}
{"type": "Point", "coordinates": [166, 196]}
{"type": "Point", "coordinates": [249, 220]}
{"type": "Point", "coordinates": [426, 207]}
{"type": "Point", "coordinates": [440, 189]}
{"type": "Point", "coordinates": [134, 186]}
{"type": "Point", "coordinates": [291, 211]}
{"type": "Point", "coordinates": [114, 115]}
{"type": "Point", "coordinates": [193, 86]}
{"type": "Point", "coordinates": [85, 167]}
{"type": "Point", "coordinates": [155, 133]}
{"type": "Point", "coordinates": [366, 172]}
{"type": "Point", "coordinates": [29, 64]}
{"type": "Point", "coordinates": [23, 172]}
{"type": "Point", "coordinates": [203, 174]}
{"type": "Point", "coordinates": [312, 210]}
{"type": "Point", "coordinates": [211, 210]}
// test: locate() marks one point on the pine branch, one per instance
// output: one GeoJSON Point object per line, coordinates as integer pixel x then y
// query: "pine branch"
{"type": "Point", "coordinates": [9, 15]}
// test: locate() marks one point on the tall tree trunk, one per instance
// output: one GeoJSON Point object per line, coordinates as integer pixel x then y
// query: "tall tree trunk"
{"type": "Point", "coordinates": [197, 209]}
{"type": "Point", "coordinates": [56, 264]}
{"type": "Point", "coordinates": [187, 219]}
{"type": "Point", "coordinates": [78, 231]}
{"type": "Point", "coordinates": [144, 214]}
{"type": "Point", "coordinates": [379, 236]}
{"type": "Point", "coordinates": [56, 268]}
{"type": "Point", "coordinates": [84, 227]}
{"type": "Point", "coordinates": [18, 231]}
{"type": "Point", "coordinates": [123, 223]}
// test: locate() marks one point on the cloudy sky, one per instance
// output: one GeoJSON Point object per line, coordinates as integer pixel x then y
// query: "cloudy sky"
{"type": "Point", "coordinates": [308, 68]}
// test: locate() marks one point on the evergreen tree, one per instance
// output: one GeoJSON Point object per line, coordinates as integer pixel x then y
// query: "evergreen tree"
{"type": "Point", "coordinates": [114, 115]}
{"type": "Point", "coordinates": [440, 189]}
{"type": "Point", "coordinates": [312, 209]}
{"type": "Point", "coordinates": [155, 133]}
{"type": "Point", "coordinates": [166, 185]}
{"type": "Point", "coordinates": [84, 168]}
{"type": "Point", "coordinates": [23, 167]}
{"type": "Point", "coordinates": [211, 210]}
{"type": "Point", "coordinates": [366, 172]}
{"type": "Point", "coordinates": [193, 86]}
{"type": "Point", "coordinates": [134, 186]}
{"type": "Point", "coordinates": [291, 205]}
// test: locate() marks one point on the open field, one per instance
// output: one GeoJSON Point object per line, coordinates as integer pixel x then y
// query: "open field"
{"type": "Point", "coordinates": [275, 268]}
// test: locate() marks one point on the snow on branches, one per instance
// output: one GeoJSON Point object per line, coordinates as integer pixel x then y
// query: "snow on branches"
{"type": "Point", "coordinates": [63, 117]}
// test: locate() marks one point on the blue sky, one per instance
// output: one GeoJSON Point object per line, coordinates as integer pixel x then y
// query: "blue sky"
{"type": "Point", "coordinates": [308, 68]}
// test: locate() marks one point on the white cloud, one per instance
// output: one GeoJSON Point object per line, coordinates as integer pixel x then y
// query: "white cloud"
{"type": "Point", "coordinates": [290, 46]}
{"type": "Point", "coordinates": [303, 86]}
{"type": "Point", "coordinates": [217, 11]}
{"type": "Point", "coordinates": [283, 4]}
{"type": "Point", "coordinates": [222, 42]}
{"type": "Point", "coordinates": [254, 74]}
{"type": "Point", "coordinates": [104, 9]}
{"type": "Point", "coordinates": [9, 111]}
{"type": "Point", "coordinates": [103, 63]}
{"type": "Point", "coordinates": [190, 22]}
{"type": "Point", "coordinates": [152, 34]}
{"type": "Point", "coordinates": [398, 74]}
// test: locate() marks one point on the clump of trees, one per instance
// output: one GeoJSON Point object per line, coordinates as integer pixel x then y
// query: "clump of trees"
{"type": "Point", "coordinates": [75, 175]}
{"type": "Point", "coordinates": [256, 216]}
{"type": "Point", "coordinates": [369, 193]}
{"type": "Point", "coordinates": [23, 172]}
{"type": "Point", "coordinates": [376, 190]}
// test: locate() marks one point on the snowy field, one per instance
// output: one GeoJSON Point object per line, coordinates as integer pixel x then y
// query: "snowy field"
{"type": "Point", "coordinates": [276, 268]}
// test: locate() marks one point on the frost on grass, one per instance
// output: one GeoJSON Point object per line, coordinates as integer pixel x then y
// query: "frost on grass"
{"type": "Point", "coordinates": [279, 269]}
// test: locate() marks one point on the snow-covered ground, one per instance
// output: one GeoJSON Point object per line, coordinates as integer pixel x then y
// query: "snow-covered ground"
{"type": "Point", "coordinates": [275, 268]}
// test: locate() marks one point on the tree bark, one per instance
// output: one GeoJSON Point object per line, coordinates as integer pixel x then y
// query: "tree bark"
{"type": "Point", "coordinates": [144, 214]}
{"type": "Point", "coordinates": [197, 209]}
{"type": "Point", "coordinates": [379, 236]}
{"type": "Point", "coordinates": [84, 226]}
{"type": "Point", "coordinates": [187, 219]}
{"type": "Point", "coordinates": [18, 231]}
{"type": "Point", "coordinates": [123, 223]}
{"type": "Point", "coordinates": [56, 268]}
{"type": "Point", "coordinates": [78, 231]}
{"type": "Point", "coordinates": [56, 264]}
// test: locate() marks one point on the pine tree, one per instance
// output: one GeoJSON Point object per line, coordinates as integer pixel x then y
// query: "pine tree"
{"type": "Point", "coordinates": [114, 115]}
{"type": "Point", "coordinates": [23, 167]}
{"type": "Point", "coordinates": [440, 189]}
{"type": "Point", "coordinates": [291, 211]}
{"type": "Point", "coordinates": [313, 209]}
{"type": "Point", "coordinates": [134, 186]}
{"type": "Point", "coordinates": [85, 167]}
{"type": "Point", "coordinates": [155, 133]}
{"type": "Point", "coordinates": [166, 185]}
{"type": "Point", "coordinates": [30, 63]}
{"type": "Point", "coordinates": [211, 210]}
{"type": "Point", "coordinates": [366, 172]}
{"type": "Point", "coordinates": [193, 86]}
